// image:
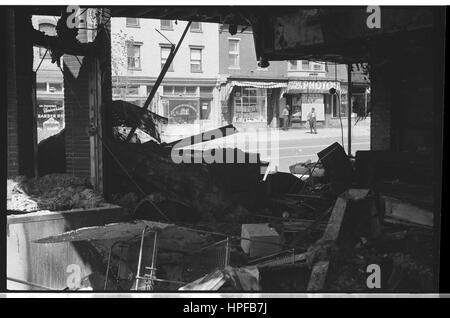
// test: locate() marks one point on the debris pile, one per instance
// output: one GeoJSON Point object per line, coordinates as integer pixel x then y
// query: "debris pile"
{"type": "Point", "coordinates": [225, 227]}
{"type": "Point", "coordinates": [53, 192]}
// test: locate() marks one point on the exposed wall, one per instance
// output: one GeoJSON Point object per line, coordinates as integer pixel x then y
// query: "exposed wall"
{"type": "Point", "coordinates": [21, 121]}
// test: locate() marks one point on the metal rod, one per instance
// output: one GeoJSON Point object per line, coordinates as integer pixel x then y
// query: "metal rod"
{"type": "Point", "coordinates": [227, 252]}
{"type": "Point", "coordinates": [154, 255]}
{"type": "Point", "coordinates": [140, 258]}
{"type": "Point", "coordinates": [349, 110]}
{"type": "Point", "coordinates": [107, 267]}
{"type": "Point", "coordinates": [28, 283]}
{"type": "Point", "coordinates": [164, 70]}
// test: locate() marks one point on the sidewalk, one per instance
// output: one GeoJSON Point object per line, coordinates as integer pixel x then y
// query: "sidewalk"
{"type": "Point", "coordinates": [265, 134]}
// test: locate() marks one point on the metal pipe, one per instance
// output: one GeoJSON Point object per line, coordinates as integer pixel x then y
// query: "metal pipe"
{"type": "Point", "coordinates": [107, 266]}
{"type": "Point", "coordinates": [164, 70]}
{"type": "Point", "coordinates": [138, 273]}
{"type": "Point", "coordinates": [349, 110]}
{"type": "Point", "coordinates": [227, 252]}
{"type": "Point", "coordinates": [28, 283]}
{"type": "Point", "coordinates": [154, 255]}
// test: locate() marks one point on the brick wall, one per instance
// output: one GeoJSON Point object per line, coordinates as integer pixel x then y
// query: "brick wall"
{"type": "Point", "coordinates": [20, 113]}
{"type": "Point", "coordinates": [13, 167]}
{"type": "Point", "coordinates": [76, 103]}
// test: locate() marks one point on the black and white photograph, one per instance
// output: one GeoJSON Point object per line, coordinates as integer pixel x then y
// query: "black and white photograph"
{"type": "Point", "coordinates": [258, 148]}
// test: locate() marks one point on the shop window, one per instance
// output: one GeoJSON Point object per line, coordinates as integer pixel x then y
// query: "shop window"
{"type": "Point", "coordinates": [179, 90]}
{"type": "Point", "coordinates": [206, 89]}
{"type": "Point", "coordinates": [165, 52]}
{"type": "Point", "coordinates": [166, 25]}
{"type": "Point", "coordinates": [250, 105]}
{"type": "Point", "coordinates": [196, 60]}
{"type": "Point", "coordinates": [134, 56]}
{"type": "Point", "coordinates": [133, 22]}
{"type": "Point", "coordinates": [340, 107]}
{"type": "Point", "coordinates": [191, 90]}
{"type": "Point", "coordinates": [233, 53]}
{"type": "Point", "coordinates": [168, 90]}
{"type": "Point", "coordinates": [196, 27]}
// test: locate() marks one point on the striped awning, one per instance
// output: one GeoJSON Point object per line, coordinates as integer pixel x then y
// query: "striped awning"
{"type": "Point", "coordinates": [259, 84]}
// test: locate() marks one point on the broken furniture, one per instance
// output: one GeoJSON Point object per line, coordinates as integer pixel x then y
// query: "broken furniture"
{"type": "Point", "coordinates": [260, 240]}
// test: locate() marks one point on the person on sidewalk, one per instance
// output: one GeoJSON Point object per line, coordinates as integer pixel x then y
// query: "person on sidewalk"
{"type": "Point", "coordinates": [285, 117]}
{"type": "Point", "coordinates": [312, 120]}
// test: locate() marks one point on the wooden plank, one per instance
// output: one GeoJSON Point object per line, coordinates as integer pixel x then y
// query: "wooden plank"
{"type": "Point", "coordinates": [407, 212]}
{"type": "Point", "coordinates": [59, 215]}
{"type": "Point", "coordinates": [335, 221]}
{"type": "Point", "coordinates": [318, 276]}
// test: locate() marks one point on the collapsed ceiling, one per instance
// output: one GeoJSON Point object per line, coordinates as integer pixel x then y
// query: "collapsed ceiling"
{"type": "Point", "coordinates": [335, 34]}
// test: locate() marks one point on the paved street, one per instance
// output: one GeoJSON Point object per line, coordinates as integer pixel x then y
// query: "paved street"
{"type": "Point", "coordinates": [292, 146]}
{"type": "Point", "coordinates": [294, 151]}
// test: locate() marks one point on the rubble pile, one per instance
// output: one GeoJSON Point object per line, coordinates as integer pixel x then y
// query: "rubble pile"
{"type": "Point", "coordinates": [53, 192]}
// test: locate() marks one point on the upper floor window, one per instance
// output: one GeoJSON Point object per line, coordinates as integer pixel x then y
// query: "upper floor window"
{"type": "Point", "coordinates": [165, 52]}
{"type": "Point", "coordinates": [318, 66]}
{"type": "Point", "coordinates": [292, 65]}
{"type": "Point", "coordinates": [132, 22]}
{"type": "Point", "coordinates": [196, 60]}
{"type": "Point", "coordinates": [305, 65]}
{"type": "Point", "coordinates": [233, 53]}
{"type": "Point", "coordinates": [134, 56]}
{"type": "Point", "coordinates": [48, 29]}
{"type": "Point", "coordinates": [196, 27]}
{"type": "Point", "coordinates": [166, 25]}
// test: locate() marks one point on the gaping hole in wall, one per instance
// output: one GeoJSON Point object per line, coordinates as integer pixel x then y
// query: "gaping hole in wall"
{"type": "Point", "coordinates": [214, 80]}
{"type": "Point", "coordinates": [49, 102]}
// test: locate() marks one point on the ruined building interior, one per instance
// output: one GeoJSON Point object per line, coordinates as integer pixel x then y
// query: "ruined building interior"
{"type": "Point", "coordinates": [89, 209]}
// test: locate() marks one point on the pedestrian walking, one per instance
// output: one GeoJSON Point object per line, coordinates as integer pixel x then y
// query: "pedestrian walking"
{"type": "Point", "coordinates": [312, 121]}
{"type": "Point", "coordinates": [285, 117]}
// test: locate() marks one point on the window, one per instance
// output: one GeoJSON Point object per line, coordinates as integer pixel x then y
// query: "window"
{"type": "Point", "coordinates": [134, 56]}
{"type": "Point", "coordinates": [250, 105]}
{"type": "Point", "coordinates": [55, 87]}
{"type": "Point", "coordinates": [305, 65]}
{"type": "Point", "coordinates": [292, 66]}
{"type": "Point", "coordinates": [168, 90]}
{"type": "Point", "coordinates": [132, 22]}
{"type": "Point", "coordinates": [180, 90]}
{"type": "Point", "coordinates": [319, 66]}
{"type": "Point", "coordinates": [196, 27]}
{"type": "Point", "coordinates": [165, 52]}
{"type": "Point", "coordinates": [233, 53]}
{"type": "Point", "coordinates": [166, 25]}
{"type": "Point", "coordinates": [133, 90]}
{"type": "Point", "coordinates": [48, 29]}
{"type": "Point", "coordinates": [42, 87]}
{"type": "Point", "coordinates": [196, 60]}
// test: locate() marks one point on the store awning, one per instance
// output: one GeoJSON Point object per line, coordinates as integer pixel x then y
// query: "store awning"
{"type": "Point", "coordinates": [322, 87]}
{"type": "Point", "coordinates": [259, 84]}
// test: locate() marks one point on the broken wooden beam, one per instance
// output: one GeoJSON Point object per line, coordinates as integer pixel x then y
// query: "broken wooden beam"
{"type": "Point", "coordinates": [209, 135]}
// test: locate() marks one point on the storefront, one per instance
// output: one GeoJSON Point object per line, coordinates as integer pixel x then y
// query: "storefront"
{"type": "Point", "coordinates": [250, 103]}
{"type": "Point", "coordinates": [303, 96]}
{"type": "Point", "coordinates": [50, 117]}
